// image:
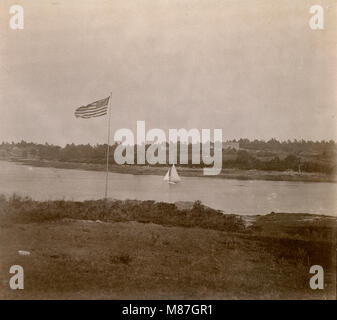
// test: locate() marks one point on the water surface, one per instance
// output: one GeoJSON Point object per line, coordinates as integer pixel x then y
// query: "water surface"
{"type": "Point", "coordinates": [229, 195]}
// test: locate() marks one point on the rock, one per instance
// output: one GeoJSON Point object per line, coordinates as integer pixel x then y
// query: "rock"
{"type": "Point", "coordinates": [23, 253]}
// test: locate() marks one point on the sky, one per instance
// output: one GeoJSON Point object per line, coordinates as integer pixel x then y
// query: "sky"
{"type": "Point", "coordinates": [253, 68]}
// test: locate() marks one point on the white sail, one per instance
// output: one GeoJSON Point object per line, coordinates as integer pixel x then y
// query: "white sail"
{"type": "Point", "coordinates": [167, 176]}
{"type": "Point", "coordinates": [174, 176]}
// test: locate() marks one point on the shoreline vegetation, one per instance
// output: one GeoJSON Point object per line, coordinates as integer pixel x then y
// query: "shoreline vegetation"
{"type": "Point", "coordinates": [243, 159]}
{"type": "Point", "coordinates": [148, 250]}
{"type": "Point", "coordinates": [238, 174]}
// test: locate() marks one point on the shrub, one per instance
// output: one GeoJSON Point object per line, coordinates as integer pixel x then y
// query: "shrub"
{"type": "Point", "coordinates": [26, 210]}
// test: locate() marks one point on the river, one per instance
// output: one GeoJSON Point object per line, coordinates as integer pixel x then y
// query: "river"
{"type": "Point", "coordinates": [231, 196]}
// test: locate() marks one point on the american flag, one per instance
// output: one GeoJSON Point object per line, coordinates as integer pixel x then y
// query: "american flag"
{"type": "Point", "coordinates": [95, 109]}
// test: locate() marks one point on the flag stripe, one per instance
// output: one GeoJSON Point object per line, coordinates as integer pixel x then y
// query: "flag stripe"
{"type": "Point", "coordinates": [97, 115]}
{"type": "Point", "coordinates": [99, 103]}
{"type": "Point", "coordinates": [89, 107]}
{"type": "Point", "coordinates": [91, 111]}
{"type": "Point", "coordinates": [88, 115]}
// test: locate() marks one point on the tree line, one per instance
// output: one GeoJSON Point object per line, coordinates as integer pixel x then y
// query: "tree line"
{"type": "Point", "coordinates": [305, 156]}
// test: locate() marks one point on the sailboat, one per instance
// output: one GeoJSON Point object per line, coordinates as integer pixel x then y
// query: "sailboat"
{"type": "Point", "coordinates": [172, 175]}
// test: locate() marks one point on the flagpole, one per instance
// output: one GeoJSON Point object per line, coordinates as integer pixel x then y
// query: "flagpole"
{"type": "Point", "coordinates": [107, 150]}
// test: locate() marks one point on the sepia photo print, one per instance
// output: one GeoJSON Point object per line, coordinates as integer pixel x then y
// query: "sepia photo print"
{"type": "Point", "coordinates": [168, 150]}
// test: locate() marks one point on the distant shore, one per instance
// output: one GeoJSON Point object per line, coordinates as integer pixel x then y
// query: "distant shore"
{"type": "Point", "coordinates": [185, 171]}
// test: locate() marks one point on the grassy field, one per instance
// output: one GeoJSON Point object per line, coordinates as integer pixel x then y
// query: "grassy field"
{"type": "Point", "coordinates": [147, 250]}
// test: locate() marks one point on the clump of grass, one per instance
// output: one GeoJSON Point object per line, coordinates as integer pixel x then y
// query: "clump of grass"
{"type": "Point", "coordinates": [296, 226]}
{"type": "Point", "coordinates": [120, 259]}
{"type": "Point", "coordinates": [26, 210]}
